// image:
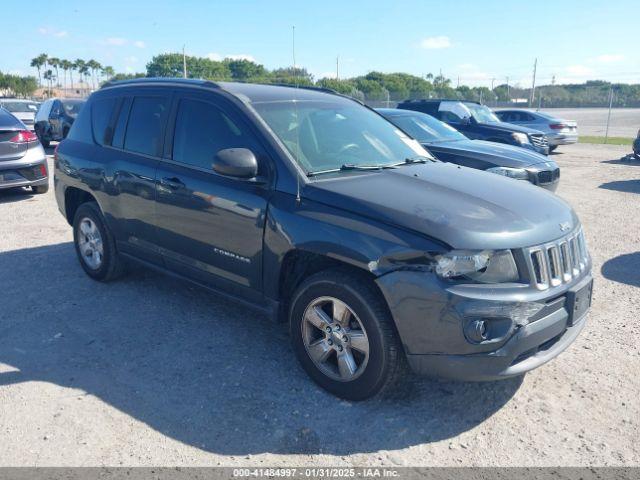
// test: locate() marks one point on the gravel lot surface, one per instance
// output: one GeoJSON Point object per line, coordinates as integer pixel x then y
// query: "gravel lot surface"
{"type": "Point", "coordinates": [625, 122]}
{"type": "Point", "coordinates": [152, 371]}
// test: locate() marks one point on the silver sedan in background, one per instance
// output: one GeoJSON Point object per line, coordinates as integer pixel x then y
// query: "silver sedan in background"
{"type": "Point", "coordinates": [23, 110]}
{"type": "Point", "coordinates": [557, 130]}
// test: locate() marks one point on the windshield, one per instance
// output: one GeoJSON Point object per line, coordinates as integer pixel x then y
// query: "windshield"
{"type": "Point", "coordinates": [72, 107]}
{"type": "Point", "coordinates": [20, 107]}
{"type": "Point", "coordinates": [482, 113]}
{"type": "Point", "coordinates": [425, 128]}
{"type": "Point", "coordinates": [326, 135]}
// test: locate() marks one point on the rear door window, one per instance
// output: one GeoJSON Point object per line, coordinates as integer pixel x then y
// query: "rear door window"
{"type": "Point", "coordinates": [101, 112]}
{"type": "Point", "coordinates": [146, 125]}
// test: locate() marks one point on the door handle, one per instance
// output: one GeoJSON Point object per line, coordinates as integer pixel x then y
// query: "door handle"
{"type": "Point", "coordinates": [173, 183]}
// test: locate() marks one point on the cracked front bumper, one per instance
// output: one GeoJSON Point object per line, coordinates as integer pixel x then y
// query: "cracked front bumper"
{"type": "Point", "coordinates": [432, 321]}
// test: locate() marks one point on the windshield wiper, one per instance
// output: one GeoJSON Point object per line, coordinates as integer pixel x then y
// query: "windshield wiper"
{"type": "Point", "coordinates": [350, 166]}
{"type": "Point", "coordinates": [416, 159]}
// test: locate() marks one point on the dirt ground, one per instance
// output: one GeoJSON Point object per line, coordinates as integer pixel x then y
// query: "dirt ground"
{"type": "Point", "coordinates": [152, 371]}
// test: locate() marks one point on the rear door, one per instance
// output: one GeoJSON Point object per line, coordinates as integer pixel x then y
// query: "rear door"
{"type": "Point", "coordinates": [136, 140]}
{"type": "Point", "coordinates": [210, 227]}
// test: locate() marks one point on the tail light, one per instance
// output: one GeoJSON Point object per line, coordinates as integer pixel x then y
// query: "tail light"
{"type": "Point", "coordinates": [557, 126]}
{"type": "Point", "coordinates": [24, 136]}
{"type": "Point", "coordinates": [42, 170]}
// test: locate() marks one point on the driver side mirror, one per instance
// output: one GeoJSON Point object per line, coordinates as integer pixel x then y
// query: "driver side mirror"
{"type": "Point", "coordinates": [236, 162]}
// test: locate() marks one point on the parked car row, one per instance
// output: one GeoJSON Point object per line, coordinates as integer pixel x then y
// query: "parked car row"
{"type": "Point", "coordinates": [319, 212]}
{"type": "Point", "coordinates": [449, 145]}
{"type": "Point", "coordinates": [23, 110]}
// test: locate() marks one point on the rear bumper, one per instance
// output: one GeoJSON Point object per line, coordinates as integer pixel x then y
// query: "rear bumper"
{"type": "Point", "coordinates": [562, 139]}
{"type": "Point", "coordinates": [25, 172]}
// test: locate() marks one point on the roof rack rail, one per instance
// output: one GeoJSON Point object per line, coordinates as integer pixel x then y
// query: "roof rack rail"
{"type": "Point", "coordinates": [152, 80]}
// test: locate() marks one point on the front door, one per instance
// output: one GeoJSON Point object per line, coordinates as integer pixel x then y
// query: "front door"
{"type": "Point", "coordinates": [210, 227]}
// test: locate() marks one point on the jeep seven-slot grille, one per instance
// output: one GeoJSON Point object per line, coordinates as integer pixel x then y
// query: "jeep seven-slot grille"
{"type": "Point", "coordinates": [558, 262]}
{"type": "Point", "coordinates": [539, 140]}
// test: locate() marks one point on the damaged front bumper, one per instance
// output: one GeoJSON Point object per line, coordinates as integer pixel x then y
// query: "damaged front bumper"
{"type": "Point", "coordinates": [522, 328]}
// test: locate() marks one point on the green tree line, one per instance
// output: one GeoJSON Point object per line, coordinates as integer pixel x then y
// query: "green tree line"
{"type": "Point", "coordinates": [17, 85]}
{"type": "Point", "coordinates": [374, 87]}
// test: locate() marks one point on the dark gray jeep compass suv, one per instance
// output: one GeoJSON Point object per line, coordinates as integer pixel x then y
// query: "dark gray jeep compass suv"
{"type": "Point", "coordinates": [318, 211]}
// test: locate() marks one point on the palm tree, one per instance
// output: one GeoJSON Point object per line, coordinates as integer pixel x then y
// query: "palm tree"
{"type": "Point", "coordinates": [80, 66]}
{"type": "Point", "coordinates": [48, 75]}
{"type": "Point", "coordinates": [39, 62]}
{"type": "Point", "coordinates": [55, 63]}
{"type": "Point", "coordinates": [66, 66]}
{"type": "Point", "coordinates": [94, 66]}
{"type": "Point", "coordinates": [108, 72]}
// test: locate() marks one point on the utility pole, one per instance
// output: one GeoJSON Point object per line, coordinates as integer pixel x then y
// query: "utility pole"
{"type": "Point", "coordinates": [184, 63]}
{"type": "Point", "coordinates": [533, 83]}
{"type": "Point", "coordinates": [606, 134]}
{"type": "Point", "coordinates": [338, 67]}
{"type": "Point", "coordinates": [492, 81]}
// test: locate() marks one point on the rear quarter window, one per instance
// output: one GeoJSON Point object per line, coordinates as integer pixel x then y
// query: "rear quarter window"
{"type": "Point", "coordinates": [81, 127]}
{"type": "Point", "coordinates": [101, 112]}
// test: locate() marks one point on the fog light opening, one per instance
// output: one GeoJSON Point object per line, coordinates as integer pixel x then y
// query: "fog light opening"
{"type": "Point", "coordinates": [478, 331]}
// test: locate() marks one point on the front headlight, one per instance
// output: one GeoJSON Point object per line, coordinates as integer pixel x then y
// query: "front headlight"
{"type": "Point", "coordinates": [520, 138]}
{"type": "Point", "coordinates": [517, 173]}
{"type": "Point", "coordinates": [487, 266]}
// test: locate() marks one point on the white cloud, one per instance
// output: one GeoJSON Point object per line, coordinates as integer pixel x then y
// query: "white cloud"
{"type": "Point", "coordinates": [52, 32]}
{"type": "Point", "coordinates": [115, 41]}
{"type": "Point", "coordinates": [216, 57]}
{"type": "Point", "coordinates": [433, 43]}
{"type": "Point", "coordinates": [578, 71]}
{"type": "Point", "coordinates": [611, 58]}
{"type": "Point", "coordinates": [139, 44]}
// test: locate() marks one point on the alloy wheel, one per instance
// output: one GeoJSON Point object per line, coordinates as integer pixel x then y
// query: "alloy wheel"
{"type": "Point", "coordinates": [90, 243]}
{"type": "Point", "coordinates": [335, 339]}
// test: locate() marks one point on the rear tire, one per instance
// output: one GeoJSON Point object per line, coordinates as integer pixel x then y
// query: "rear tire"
{"type": "Point", "coordinates": [551, 149]}
{"type": "Point", "coordinates": [95, 245]}
{"type": "Point", "coordinates": [352, 352]}
{"type": "Point", "coordinates": [40, 189]}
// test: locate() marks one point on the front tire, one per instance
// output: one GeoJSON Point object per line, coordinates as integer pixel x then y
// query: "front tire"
{"type": "Point", "coordinates": [343, 335]}
{"type": "Point", "coordinates": [95, 245]}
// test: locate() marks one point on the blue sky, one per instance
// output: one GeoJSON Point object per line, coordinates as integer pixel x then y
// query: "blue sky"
{"type": "Point", "coordinates": [475, 40]}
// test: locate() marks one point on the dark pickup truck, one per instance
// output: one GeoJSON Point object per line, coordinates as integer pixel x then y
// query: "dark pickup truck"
{"type": "Point", "coordinates": [316, 210]}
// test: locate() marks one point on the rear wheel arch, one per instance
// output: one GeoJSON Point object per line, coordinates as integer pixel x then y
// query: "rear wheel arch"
{"type": "Point", "coordinates": [73, 198]}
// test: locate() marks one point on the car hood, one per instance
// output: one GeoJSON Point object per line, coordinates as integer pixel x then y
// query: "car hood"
{"type": "Point", "coordinates": [462, 207]}
{"type": "Point", "coordinates": [508, 127]}
{"type": "Point", "coordinates": [491, 152]}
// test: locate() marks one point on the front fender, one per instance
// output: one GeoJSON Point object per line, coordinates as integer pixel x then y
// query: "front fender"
{"type": "Point", "coordinates": [337, 234]}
